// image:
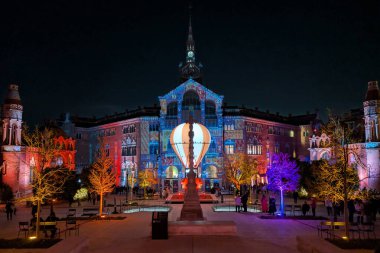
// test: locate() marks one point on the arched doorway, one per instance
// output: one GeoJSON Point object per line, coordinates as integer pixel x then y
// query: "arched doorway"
{"type": "Point", "coordinates": [171, 178]}
{"type": "Point", "coordinates": [211, 180]}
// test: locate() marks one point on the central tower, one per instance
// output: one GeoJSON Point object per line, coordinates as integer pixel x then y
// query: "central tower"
{"type": "Point", "coordinates": [190, 70]}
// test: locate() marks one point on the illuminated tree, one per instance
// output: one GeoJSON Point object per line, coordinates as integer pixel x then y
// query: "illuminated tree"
{"type": "Point", "coordinates": [283, 175]}
{"type": "Point", "coordinates": [102, 178]}
{"type": "Point", "coordinates": [338, 177]}
{"type": "Point", "coordinates": [240, 168]}
{"type": "Point", "coordinates": [147, 179]}
{"type": "Point", "coordinates": [46, 181]}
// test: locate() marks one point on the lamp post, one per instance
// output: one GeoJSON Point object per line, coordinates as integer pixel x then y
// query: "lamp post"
{"type": "Point", "coordinates": [132, 176]}
{"type": "Point", "coordinates": [126, 183]}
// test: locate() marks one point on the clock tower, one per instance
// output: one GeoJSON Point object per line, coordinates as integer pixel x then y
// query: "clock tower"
{"type": "Point", "coordinates": [190, 70]}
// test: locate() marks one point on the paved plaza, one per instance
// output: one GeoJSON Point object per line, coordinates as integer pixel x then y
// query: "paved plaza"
{"type": "Point", "coordinates": [133, 234]}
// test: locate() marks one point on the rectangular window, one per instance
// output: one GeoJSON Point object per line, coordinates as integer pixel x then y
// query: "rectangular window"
{"type": "Point", "coordinates": [153, 127]}
{"type": "Point", "coordinates": [79, 136]}
{"type": "Point", "coordinates": [129, 129]}
{"type": "Point", "coordinates": [254, 149]}
{"type": "Point", "coordinates": [291, 133]}
{"type": "Point", "coordinates": [229, 149]}
{"type": "Point", "coordinates": [153, 149]}
{"type": "Point", "coordinates": [270, 130]}
{"type": "Point", "coordinates": [124, 151]}
{"type": "Point", "coordinates": [277, 148]}
{"type": "Point", "coordinates": [229, 127]}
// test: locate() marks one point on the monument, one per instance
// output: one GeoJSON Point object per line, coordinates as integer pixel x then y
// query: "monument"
{"type": "Point", "coordinates": [182, 141]}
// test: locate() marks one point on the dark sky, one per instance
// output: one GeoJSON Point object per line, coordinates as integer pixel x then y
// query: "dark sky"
{"type": "Point", "coordinates": [100, 57]}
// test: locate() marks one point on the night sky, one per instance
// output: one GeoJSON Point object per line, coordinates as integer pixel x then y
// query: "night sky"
{"type": "Point", "coordinates": [100, 57]}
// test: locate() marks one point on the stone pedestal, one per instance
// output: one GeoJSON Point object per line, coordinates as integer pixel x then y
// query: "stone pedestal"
{"type": "Point", "coordinates": [191, 210]}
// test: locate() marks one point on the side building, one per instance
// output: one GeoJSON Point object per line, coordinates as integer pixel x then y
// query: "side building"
{"type": "Point", "coordinates": [365, 124]}
{"type": "Point", "coordinates": [17, 160]}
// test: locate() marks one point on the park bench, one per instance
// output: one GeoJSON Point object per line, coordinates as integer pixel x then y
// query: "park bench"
{"type": "Point", "coordinates": [324, 226]}
{"type": "Point", "coordinates": [368, 228]}
{"type": "Point", "coordinates": [49, 226]}
{"type": "Point", "coordinates": [23, 227]}
{"type": "Point", "coordinates": [72, 212]}
{"type": "Point", "coordinates": [71, 225]}
{"type": "Point", "coordinates": [330, 227]}
{"type": "Point", "coordinates": [288, 208]}
{"type": "Point", "coordinates": [90, 212]}
{"type": "Point", "coordinates": [297, 208]}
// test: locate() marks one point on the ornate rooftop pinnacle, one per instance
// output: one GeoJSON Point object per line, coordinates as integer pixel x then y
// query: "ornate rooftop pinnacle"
{"type": "Point", "coordinates": [373, 92]}
{"type": "Point", "coordinates": [190, 70]}
{"type": "Point", "coordinates": [13, 96]}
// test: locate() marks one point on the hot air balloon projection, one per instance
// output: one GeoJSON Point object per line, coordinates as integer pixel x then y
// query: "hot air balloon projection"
{"type": "Point", "coordinates": [179, 139]}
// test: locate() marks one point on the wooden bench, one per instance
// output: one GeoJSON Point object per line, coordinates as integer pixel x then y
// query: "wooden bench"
{"type": "Point", "coordinates": [90, 212]}
{"type": "Point", "coordinates": [324, 226]}
{"type": "Point", "coordinates": [288, 208]}
{"type": "Point", "coordinates": [71, 225]}
{"type": "Point", "coordinates": [297, 208]}
{"type": "Point", "coordinates": [72, 212]}
{"type": "Point", "coordinates": [367, 228]}
{"type": "Point", "coordinates": [330, 227]}
{"type": "Point", "coordinates": [49, 226]}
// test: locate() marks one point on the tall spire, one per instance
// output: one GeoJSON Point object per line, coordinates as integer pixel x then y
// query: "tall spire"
{"type": "Point", "coordinates": [190, 45]}
{"type": "Point", "coordinates": [190, 68]}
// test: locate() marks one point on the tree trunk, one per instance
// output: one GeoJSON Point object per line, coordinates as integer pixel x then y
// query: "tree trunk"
{"type": "Point", "coordinates": [38, 219]}
{"type": "Point", "coordinates": [101, 205]}
{"type": "Point", "coordinates": [282, 202]}
{"type": "Point", "coordinates": [346, 228]}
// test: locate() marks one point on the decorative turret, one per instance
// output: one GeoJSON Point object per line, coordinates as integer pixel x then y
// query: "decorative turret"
{"type": "Point", "coordinates": [190, 69]}
{"type": "Point", "coordinates": [11, 117]}
{"type": "Point", "coordinates": [372, 112]}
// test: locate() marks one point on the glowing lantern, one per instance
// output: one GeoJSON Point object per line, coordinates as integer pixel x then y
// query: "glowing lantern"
{"type": "Point", "coordinates": [179, 139]}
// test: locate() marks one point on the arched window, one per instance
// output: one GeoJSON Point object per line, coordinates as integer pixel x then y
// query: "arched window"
{"type": "Point", "coordinates": [210, 109]}
{"type": "Point", "coordinates": [191, 102]}
{"type": "Point", "coordinates": [171, 172]}
{"type": "Point", "coordinates": [172, 110]}
{"type": "Point", "coordinates": [14, 135]}
{"type": "Point", "coordinates": [325, 156]}
{"type": "Point", "coordinates": [191, 99]}
{"type": "Point", "coordinates": [32, 167]}
{"type": "Point", "coordinates": [211, 172]}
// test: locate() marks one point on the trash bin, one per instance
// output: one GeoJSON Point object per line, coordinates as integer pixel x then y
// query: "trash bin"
{"type": "Point", "coordinates": [159, 225]}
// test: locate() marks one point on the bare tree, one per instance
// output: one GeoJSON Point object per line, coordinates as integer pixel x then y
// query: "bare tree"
{"type": "Point", "coordinates": [102, 178]}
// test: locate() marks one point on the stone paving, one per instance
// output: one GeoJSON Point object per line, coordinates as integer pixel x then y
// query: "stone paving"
{"type": "Point", "coordinates": [133, 234]}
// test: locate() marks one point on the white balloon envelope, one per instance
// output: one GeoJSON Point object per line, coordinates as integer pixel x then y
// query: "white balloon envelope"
{"type": "Point", "coordinates": [180, 140]}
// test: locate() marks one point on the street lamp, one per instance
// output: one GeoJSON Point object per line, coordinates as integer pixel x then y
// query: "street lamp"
{"type": "Point", "coordinates": [133, 175]}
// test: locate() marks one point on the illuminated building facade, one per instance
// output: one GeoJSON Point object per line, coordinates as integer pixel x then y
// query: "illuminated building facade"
{"type": "Point", "coordinates": [139, 139]}
{"type": "Point", "coordinates": [18, 160]}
